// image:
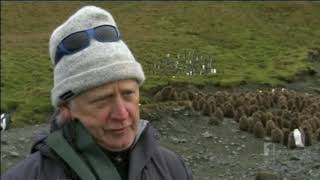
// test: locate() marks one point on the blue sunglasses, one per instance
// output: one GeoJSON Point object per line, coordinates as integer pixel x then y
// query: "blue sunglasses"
{"type": "Point", "coordinates": [80, 40]}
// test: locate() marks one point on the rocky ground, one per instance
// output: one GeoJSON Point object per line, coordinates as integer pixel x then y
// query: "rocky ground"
{"type": "Point", "coordinates": [212, 151]}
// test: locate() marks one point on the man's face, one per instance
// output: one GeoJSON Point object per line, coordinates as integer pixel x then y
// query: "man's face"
{"type": "Point", "coordinates": [110, 112]}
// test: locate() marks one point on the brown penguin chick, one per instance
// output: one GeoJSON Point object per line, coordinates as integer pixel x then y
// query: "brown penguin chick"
{"type": "Point", "coordinates": [213, 106]}
{"type": "Point", "coordinates": [159, 96]}
{"type": "Point", "coordinates": [219, 113]}
{"type": "Point", "coordinates": [276, 135]}
{"type": "Point", "coordinates": [287, 115]}
{"type": "Point", "coordinates": [188, 105]}
{"type": "Point", "coordinates": [277, 121]}
{"type": "Point", "coordinates": [202, 103]}
{"type": "Point", "coordinates": [250, 124]}
{"type": "Point", "coordinates": [313, 123]}
{"type": "Point", "coordinates": [246, 110]}
{"type": "Point", "coordinates": [191, 94]}
{"type": "Point", "coordinates": [269, 127]}
{"type": "Point", "coordinates": [294, 124]}
{"type": "Point", "coordinates": [256, 116]}
{"type": "Point", "coordinates": [258, 130]}
{"type": "Point", "coordinates": [269, 115]}
{"type": "Point", "coordinates": [307, 136]}
{"type": "Point", "coordinates": [228, 110]}
{"type": "Point", "coordinates": [207, 109]}
{"type": "Point", "coordinates": [211, 99]}
{"type": "Point", "coordinates": [263, 118]}
{"type": "Point", "coordinates": [252, 109]}
{"type": "Point", "coordinates": [195, 105]}
{"type": "Point", "coordinates": [220, 97]}
{"type": "Point", "coordinates": [306, 124]}
{"type": "Point", "coordinates": [238, 114]}
{"type": "Point", "coordinates": [291, 142]}
{"type": "Point", "coordinates": [291, 104]}
{"type": "Point", "coordinates": [314, 108]}
{"type": "Point", "coordinates": [184, 96]}
{"type": "Point", "coordinates": [285, 123]}
{"type": "Point", "coordinates": [285, 136]}
{"type": "Point", "coordinates": [169, 93]}
{"type": "Point", "coordinates": [165, 93]}
{"type": "Point", "coordinates": [253, 101]}
{"type": "Point", "coordinates": [303, 117]}
{"type": "Point", "coordinates": [243, 123]}
{"type": "Point", "coordinates": [317, 133]}
{"type": "Point", "coordinates": [267, 103]}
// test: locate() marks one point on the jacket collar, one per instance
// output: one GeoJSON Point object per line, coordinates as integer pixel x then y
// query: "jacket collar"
{"type": "Point", "coordinates": [143, 151]}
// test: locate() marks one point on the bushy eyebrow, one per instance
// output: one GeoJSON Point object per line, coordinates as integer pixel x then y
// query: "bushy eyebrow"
{"type": "Point", "coordinates": [100, 98]}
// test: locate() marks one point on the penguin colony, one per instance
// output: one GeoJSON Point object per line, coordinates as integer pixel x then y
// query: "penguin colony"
{"type": "Point", "coordinates": [274, 113]}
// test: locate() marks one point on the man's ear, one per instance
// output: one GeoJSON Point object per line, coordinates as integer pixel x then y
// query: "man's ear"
{"type": "Point", "coordinates": [65, 112]}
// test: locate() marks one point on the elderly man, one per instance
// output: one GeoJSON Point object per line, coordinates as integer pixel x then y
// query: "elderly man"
{"type": "Point", "coordinates": [97, 132]}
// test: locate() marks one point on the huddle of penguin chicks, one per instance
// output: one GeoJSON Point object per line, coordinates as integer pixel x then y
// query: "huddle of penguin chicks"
{"type": "Point", "coordinates": [293, 119]}
{"type": "Point", "coordinates": [295, 134]}
{"type": "Point", "coordinates": [197, 101]}
{"type": "Point", "coordinates": [288, 117]}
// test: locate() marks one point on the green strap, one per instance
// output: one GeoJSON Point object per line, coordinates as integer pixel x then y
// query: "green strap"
{"type": "Point", "coordinates": [98, 160]}
{"type": "Point", "coordinates": [57, 142]}
{"type": "Point", "coordinates": [98, 164]}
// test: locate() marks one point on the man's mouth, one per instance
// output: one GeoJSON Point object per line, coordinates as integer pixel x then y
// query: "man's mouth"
{"type": "Point", "coordinates": [119, 130]}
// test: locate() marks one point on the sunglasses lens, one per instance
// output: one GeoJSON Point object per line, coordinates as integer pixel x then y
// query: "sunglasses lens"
{"type": "Point", "coordinates": [106, 34]}
{"type": "Point", "coordinates": [76, 41]}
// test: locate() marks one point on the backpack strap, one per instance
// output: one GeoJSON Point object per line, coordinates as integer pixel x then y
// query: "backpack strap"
{"type": "Point", "coordinates": [57, 142]}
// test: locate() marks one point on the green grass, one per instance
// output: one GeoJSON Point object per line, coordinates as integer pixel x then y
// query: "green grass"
{"type": "Point", "coordinates": [251, 42]}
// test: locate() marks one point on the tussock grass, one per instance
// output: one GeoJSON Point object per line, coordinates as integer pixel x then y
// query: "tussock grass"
{"type": "Point", "coordinates": [252, 42]}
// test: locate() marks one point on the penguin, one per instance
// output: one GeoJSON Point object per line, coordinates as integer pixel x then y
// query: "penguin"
{"type": "Point", "coordinates": [263, 118]}
{"type": "Point", "coordinates": [228, 110]}
{"type": "Point", "coordinates": [5, 121]}
{"type": "Point", "coordinates": [285, 136]}
{"type": "Point", "coordinates": [269, 127]}
{"type": "Point", "coordinates": [269, 116]}
{"type": "Point", "coordinates": [195, 105]}
{"type": "Point", "coordinates": [202, 104]}
{"type": "Point", "coordinates": [298, 138]}
{"type": "Point", "coordinates": [219, 113]}
{"type": "Point", "coordinates": [184, 96]}
{"type": "Point", "coordinates": [258, 130]}
{"type": "Point", "coordinates": [294, 124]}
{"type": "Point", "coordinates": [173, 95]}
{"type": "Point", "coordinates": [285, 123]}
{"type": "Point", "coordinates": [243, 123]}
{"type": "Point", "coordinates": [253, 108]}
{"type": "Point", "coordinates": [207, 109]}
{"type": "Point", "coordinates": [307, 135]}
{"type": "Point", "coordinates": [277, 135]}
{"type": "Point", "coordinates": [250, 124]}
{"type": "Point", "coordinates": [238, 114]}
{"type": "Point", "coordinates": [291, 141]}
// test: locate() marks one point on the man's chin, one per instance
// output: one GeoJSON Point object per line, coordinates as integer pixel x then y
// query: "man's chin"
{"type": "Point", "coordinates": [118, 146]}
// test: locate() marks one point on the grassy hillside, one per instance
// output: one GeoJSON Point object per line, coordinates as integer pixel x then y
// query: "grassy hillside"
{"type": "Point", "coordinates": [246, 42]}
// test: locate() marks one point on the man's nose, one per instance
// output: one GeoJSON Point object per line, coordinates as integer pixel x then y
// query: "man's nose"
{"type": "Point", "coordinates": [119, 110]}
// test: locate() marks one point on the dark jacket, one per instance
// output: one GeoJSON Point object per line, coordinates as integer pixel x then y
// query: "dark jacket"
{"type": "Point", "coordinates": [148, 161]}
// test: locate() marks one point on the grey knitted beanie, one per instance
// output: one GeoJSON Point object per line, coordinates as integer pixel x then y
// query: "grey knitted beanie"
{"type": "Point", "coordinates": [98, 64]}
